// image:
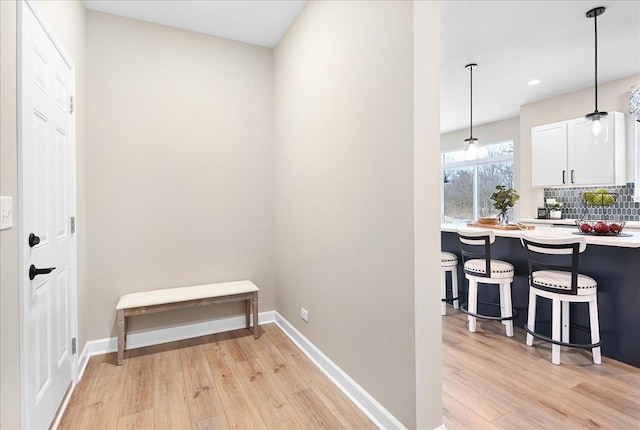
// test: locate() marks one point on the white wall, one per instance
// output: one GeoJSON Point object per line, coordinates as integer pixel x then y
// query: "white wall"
{"type": "Point", "coordinates": [344, 169]}
{"type": "Point", "coordinates": [487, 134]}
{"type": "Point", "coordinates": [180, 166]}
{"type": "Point", "coordinates": [9, 297]}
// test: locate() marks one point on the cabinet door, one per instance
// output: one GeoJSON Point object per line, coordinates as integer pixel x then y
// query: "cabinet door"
{"type": "Point", "coordinates": [589, 164]}
{"type": "Point", "coordinates": [549, 155]}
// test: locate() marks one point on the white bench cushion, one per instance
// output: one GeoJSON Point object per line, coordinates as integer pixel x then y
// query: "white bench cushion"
{"type": "Point", "coordinates": [185, 294]}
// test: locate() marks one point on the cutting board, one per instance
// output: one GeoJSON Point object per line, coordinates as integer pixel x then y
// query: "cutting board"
{"type": "Point", "coordinates": [502, 227]}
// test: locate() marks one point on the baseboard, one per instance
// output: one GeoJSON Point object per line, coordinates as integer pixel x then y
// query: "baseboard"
{"type": "Point", "coordinates": [164, 335]}
{"type": "Point", "coordinates": [381, 417]}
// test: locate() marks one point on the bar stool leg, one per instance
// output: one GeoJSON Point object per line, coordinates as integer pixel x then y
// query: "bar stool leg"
{"type": "Point", "coordinates": [454, 287]}
{"type": "Point", "coordinates": [473, 304]}
{"type": "Point", "coordinates": [508, 307]}
{"type": "Point", "coordinates": [531, 318]}
{"type": "Point", "coordinates": [503, 308]}
{"type": "Point", "coordinates": [565, 322]}
{"type": "Point", "coordinates": [595, 329]}
{"type": "Point", "coordinates": [555, 331]}
{"type": "Point", "coordinates": [443, 290]}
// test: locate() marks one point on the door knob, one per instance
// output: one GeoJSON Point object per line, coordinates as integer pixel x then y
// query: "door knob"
{"type": "Point", "coordinates": [34, 271]}
{"type": "Point", "coordinates": [33, 240]}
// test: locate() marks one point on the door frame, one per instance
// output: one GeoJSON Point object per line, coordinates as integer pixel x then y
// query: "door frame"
{"type": "Point", "coordinates": [22, 6]}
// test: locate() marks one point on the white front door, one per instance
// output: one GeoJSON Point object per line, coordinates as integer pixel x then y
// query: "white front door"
{"type": "Point", "coordinates": [47, 245]}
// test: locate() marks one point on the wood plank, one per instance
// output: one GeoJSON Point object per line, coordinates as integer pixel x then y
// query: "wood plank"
{"type": "Point", "coordinates": [269, 401]}
{"type": "Point", "coordinates": [139, 388]}
{"type": "Point", "coordinates": [202, 396]}
{"type": "Point", "coordinates": [212, 423]}
{"type": "Point", "coordinates": [171, 410]}
{"type": "Point", "coordinates": [458, 415]}
{"type": "Point", "coordinates": [103, 407]}
{"type": "Point", "coordinates": [141, 420]}
{"type": "Point", "coordinates": [239, 409]}
{"type": "Point", "coordinates": [312, 411]}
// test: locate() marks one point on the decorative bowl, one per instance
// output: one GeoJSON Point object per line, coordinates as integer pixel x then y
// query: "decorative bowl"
{"type": "Point", "coordinates": [600, 228]}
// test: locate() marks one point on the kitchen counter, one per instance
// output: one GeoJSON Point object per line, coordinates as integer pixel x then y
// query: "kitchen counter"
{"type": "Point", "coordinates": [634, 225]}
{"type": "Point", "coordinates": [612, 261]}
{"type": "Point", "coordinates": [553, 228]}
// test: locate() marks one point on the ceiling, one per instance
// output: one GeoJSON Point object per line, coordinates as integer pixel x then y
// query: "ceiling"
{"type": "Point", "coordinates": [513, 42]}
{"type": "Point", "coordinates": [256, 22]}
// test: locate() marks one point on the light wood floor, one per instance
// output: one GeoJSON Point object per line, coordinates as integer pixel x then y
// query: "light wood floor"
{"type": "Point", "coordinates": [223, 381]}
{"type": "Point", "coordinates": [230, 381]}
{"type": "Point", "coordinates": [494, 382]}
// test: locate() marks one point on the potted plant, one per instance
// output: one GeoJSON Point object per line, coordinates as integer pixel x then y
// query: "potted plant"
{"type": "Point", "coordinates": [555, 210]}
{"type": "Point", "coordinates": [504, 199]}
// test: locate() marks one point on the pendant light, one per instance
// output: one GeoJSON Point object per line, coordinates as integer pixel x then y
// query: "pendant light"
{"type": "Point", "coordinates": [471, 142]}
{"type": "Point", "coordinates": [596, 122]}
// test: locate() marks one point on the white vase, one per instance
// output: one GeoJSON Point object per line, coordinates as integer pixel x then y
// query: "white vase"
{"type": "Point", "coordinates": [555, 214]}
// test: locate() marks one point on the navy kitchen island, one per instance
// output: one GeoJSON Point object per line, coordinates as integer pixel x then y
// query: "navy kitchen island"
{"type": "Point", "coordinates": [614, 262]}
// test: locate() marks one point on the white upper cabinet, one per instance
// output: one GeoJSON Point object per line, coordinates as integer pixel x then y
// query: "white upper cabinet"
{"type": "Point", "coordinates": [560, 156]}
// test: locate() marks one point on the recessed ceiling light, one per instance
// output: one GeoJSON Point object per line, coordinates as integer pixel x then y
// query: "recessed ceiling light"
{"type": "Point", "coordinates": [534, 82]}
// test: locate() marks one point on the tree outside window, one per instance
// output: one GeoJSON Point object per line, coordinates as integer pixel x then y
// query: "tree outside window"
{"type": "Point", "coordinates": [468, 183]}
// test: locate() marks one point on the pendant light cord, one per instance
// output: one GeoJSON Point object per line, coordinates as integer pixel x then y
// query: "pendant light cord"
{"type": "Point", "coordinates": [471, 102]}
{"type": "Point", "coordinates": [595, 26]}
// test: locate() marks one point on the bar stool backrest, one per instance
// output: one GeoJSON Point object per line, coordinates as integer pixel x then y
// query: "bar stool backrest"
{"type": "Point", "coordinates": [476, 244]}
{"type": "Point", "coordinates": [554, 253]}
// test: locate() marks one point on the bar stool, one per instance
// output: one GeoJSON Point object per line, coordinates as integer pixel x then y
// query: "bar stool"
{"type": "Point", "coordinates": [562, 284]}
{"type": "Point", "coordinates": [449, 263]}
{"type": "Point", "coordinates": [479, 268]}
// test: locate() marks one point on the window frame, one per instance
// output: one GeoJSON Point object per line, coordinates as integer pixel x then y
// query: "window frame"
{"type": "Point", "coordinates": [473, 163]}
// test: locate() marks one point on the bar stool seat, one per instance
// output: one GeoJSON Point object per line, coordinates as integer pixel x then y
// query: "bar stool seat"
{"type": "Point", "coordinates": [480, 268]}
{"type": "Point", "coordinates": [499, 269]}
{"type": "Point", "coordinates": [449, 263]}
{"type": "Point", "coordinates": [562, 281]}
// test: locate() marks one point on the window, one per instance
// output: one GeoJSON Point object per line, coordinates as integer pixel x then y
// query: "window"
{"type": "Point", "coordinates": [471, 178]}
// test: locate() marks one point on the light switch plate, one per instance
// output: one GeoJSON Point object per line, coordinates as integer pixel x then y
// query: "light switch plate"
{"type": "Point", "coordinates": [6, 212]}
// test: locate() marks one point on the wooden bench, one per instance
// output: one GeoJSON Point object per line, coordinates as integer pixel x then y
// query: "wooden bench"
{"type": "Point", "coordinates": [148, 302]}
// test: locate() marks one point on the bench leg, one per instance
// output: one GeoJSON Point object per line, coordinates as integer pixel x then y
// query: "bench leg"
{"type": "Point", "coordinates": [255, 315]}
{"type": "Point", "coordinates": [121, 336]}
{"type": "Point", "coordinates": [247, 312]}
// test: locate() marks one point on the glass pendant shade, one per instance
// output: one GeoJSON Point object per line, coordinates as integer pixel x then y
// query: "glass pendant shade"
{"type": "Point", "coordinates": [470, 144]}
{"type": "Point", "coordinates": [597, 128]}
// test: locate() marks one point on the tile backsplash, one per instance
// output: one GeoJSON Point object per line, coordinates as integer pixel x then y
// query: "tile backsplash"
{"type": "Point", "coordinates": [624, 209]}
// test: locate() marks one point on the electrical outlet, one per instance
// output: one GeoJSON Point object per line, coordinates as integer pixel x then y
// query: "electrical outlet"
{"type": "Point", "coordinates": [304, 314]}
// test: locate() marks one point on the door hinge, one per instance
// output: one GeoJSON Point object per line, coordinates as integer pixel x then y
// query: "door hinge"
{"type": "Point", "coordinates": [73, 345]}
{"type": "Point", "coordinates": [72, 100]}
{"type": "Point", "coordinates": [73, 224]}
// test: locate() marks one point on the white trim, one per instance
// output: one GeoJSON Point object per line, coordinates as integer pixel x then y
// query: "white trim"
{"type": "Point", "coordinates": [381, 417]}
{"type": "Point", "coordinates": [63, 406]}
